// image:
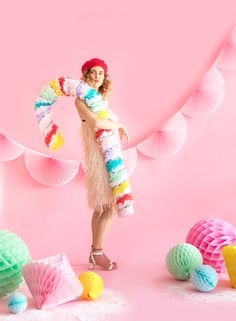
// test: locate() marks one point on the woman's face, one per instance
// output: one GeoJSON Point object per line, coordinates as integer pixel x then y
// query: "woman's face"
{"type": "Point", "coordinates": [96, 76]}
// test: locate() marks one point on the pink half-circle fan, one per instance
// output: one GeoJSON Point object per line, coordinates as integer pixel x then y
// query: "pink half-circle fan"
{"type": "Point", "coordinates": [207, 97]}
{"type": "Point", "coordinates": [50, 171]}
{"type": "Point", "coordinates": [130, 158]}
{"type": "Point", "coordinates": [227, 56]}
{"type": "Point", "coordinates": [9, 149]}
{"type": "Point", "coordinates": [166, 141]}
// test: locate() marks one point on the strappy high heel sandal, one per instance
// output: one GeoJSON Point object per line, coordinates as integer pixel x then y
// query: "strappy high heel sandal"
{"type": "Point", "coordinates": [107, 265]}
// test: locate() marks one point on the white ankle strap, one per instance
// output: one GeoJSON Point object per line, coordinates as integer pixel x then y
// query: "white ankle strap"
{"type": "Point", "coordinates": [97, 253]}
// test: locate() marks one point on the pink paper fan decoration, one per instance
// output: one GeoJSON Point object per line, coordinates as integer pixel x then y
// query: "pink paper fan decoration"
{"type": "Point", "coordinates": [227, 56]}
{"type": "Point", "coordinates": [52, 281]}
{"type": "Point", "coordinates": [9, 149]}
{"type": "Point", "coordinates": [130, 158]}
{"type": "Point", "coordinates": [207, 97]}
{"type": "Point", "coordinates": [166, 141]}
{"type": "Point", "coordinates": [50, 171]}
{"type": "Point", "coordinates": [83, 164]}
{"type": "Point", "coordinates": [210, 236]}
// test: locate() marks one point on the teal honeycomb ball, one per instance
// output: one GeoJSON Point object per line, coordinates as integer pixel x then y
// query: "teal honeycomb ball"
{"type": "Point", "coordinates": [13, 255]}
{"type": "Point", "coordinates": [17, 302]}
{"type": "Point", "coordinates": [182, 259]}
{"type": "Point", "coordinates": [204, 278]}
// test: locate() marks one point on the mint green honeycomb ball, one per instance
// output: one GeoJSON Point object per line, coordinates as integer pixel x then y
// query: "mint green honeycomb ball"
{"type": "Point", "coordinates": [13, 255]}
{"type": "Point", "coordinates": [182, 259]}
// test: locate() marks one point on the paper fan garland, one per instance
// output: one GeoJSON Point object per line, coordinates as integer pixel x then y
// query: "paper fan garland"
{"type": "Point", "coordinates": [130, 157]}
{"type": "Point", "coordinates": [207, 97]}
{"type": "Point", "coordinates": [166, 141]}
{"type": "Point", "coordinates": [50, 171]}
{"type": "Point", "coordinates": [9, 150]}
{"type": "Point", "coordinates": [227, 56]}
{"type": "Point", "coordinates": [52, 281]}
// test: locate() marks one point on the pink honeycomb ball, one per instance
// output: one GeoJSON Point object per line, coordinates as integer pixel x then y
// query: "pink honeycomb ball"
{"type": "Point", "coordinates": [210, 235]}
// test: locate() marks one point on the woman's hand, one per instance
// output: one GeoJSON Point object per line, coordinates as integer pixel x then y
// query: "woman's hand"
{"type": "Point", "coordinates": [124, 134]}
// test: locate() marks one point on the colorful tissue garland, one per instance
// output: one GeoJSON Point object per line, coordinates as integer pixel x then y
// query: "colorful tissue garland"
{"type": "Point", "coordinates": [108, 139]}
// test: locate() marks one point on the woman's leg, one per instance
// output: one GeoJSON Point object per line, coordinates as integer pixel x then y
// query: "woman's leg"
{"type": "Point", "coordinates": [101, 222]}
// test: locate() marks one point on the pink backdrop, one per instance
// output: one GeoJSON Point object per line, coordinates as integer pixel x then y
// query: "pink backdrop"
{"type": "Point", "coordinates": [157, 53]}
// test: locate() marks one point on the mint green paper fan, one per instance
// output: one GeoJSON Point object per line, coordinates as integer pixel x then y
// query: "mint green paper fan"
{"type": "Point", "coordinates": [182, 259]}
{"type": "Point", "coordinates": [13, 255]}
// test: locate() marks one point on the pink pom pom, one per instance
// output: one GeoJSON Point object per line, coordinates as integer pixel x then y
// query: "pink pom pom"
{"type": "Point", "coordinates": [210, 236]}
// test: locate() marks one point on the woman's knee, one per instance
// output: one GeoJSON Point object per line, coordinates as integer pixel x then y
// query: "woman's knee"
{"type": "Point", "coordinates": [97, 214]}
{"type": "Point", "coordinates": [110, 211]}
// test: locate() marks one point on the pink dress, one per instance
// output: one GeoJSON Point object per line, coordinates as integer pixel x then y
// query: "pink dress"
{"type": "Point", "coordinates": [99, 193]}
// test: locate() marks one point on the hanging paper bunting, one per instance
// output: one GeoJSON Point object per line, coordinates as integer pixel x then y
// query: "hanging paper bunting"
{"type": "Point", "coordinates": [130, 158]}
{"type": "Point", "coordinates": [207, 97]}
{"type": "Point", "coordinates": [9, 149]}
{"type": "Point", "coordinates": [50, 171]}
{"type": "Point", "coordinates": [166, 141]}
{"type": "Point", "coordinates": [162, 144]}
{"type": "Point", "coordinates": [227, 57]}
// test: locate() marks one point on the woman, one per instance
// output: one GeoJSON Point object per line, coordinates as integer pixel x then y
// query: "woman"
{"type": "Point", "coordinates": [100, 196]}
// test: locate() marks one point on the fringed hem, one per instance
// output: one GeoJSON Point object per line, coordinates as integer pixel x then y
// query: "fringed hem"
{"type": "Point", "coordinates": [99, 192]}
{"type": "Point", "coordinates": [105, 207]}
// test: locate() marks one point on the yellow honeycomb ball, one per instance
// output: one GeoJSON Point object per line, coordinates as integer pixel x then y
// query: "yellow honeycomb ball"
{"type": "Point", "coordinates": [93, 285]}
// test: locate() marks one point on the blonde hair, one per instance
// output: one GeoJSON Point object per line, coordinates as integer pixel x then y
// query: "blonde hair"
{"type": "Point", "coordinates": [105, 88]}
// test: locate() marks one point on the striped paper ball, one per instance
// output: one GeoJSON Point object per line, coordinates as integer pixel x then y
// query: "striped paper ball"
{"type": "Point", "coordinates": [182, 259]}
{"type": "Point", "coordinates": [17, 302]}
{"type": "Point", "coordinates": [204, 278]}
{"type": "Point", "coordinates": [13, 255]}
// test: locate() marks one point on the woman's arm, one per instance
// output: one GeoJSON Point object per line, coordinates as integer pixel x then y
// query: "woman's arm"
{"type": "Point", "coordinates": [95, 122]}
{"type": "Point", "coordinates": [92, 119]}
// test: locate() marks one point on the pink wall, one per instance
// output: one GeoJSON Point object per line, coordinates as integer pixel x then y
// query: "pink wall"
{"type": "Point", "coordinates": [157, 52]}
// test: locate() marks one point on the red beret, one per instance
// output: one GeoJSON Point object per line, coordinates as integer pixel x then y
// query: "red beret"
{"type": "Point", "coordinates": [92, 63]}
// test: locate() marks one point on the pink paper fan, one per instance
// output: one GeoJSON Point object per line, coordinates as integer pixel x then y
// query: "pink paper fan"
{"type": "Point", "coordinates": [83, 164]}
{"type": "Point", "coordinates": [166, 141]}
{"type": "Point", "coordinates": [227, 56]}
{"type": "Point", "coordinates": [130, 158]}
{"type": "Point", "coordinates": [207, 97]}
{"type": "Point", "coordinates": [50, 171]}
{"type": "Point", "coordinates": [9, 149]}
{"type": "Point", "coordinates": [210, 236]}
{"type": "Point", "coordinates": [52, 281]}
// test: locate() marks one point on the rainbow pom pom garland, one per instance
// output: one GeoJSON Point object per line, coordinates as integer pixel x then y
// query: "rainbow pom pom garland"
{"type": "Point", "coordinates": [108, 140]}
